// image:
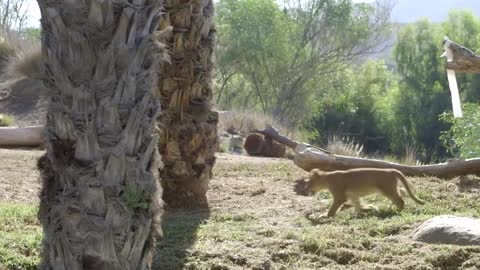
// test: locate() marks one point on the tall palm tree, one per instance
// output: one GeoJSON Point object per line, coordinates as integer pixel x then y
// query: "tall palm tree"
{"type": "Point", "coordinates": [101, 199]}
{"type": "Point", "coordinates": [188, 126]}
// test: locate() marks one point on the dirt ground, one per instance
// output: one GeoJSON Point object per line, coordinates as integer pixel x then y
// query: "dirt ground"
{"type": "Point", "coordinates": [25, 100]}
{"type": "Point", "coordinates": [19, 181]}
{"type": "Point", "coordinates": [19, 176]}
{"type": "Point", "coordinates": [257, 221]}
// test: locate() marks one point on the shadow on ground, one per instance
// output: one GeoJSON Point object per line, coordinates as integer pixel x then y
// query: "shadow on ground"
{"type": "Point", "coordinates": [179, 234]}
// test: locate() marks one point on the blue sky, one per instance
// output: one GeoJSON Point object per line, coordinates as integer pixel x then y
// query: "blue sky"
{"type": "Point", "coordinates": [404, 11]}
{"type": "Point", "coordinates": [34, 12]}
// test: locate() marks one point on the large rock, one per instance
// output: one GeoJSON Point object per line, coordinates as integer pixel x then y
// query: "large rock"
{"type": "Point", "coordinates": [449, 230]}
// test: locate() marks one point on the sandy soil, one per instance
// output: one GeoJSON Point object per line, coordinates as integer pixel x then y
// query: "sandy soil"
{"type": "Point", "coordinates": [19, 175]}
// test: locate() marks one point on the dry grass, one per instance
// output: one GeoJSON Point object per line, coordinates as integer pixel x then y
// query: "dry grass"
{"type": "Point", "coordinates": [25, 63]}
{"type": "Point", "coordinates": [410, 157]}
{"type": "Point", "coordinates": [257, 221]}
{"type": "Point", "coordinates": [20, 58]}
{"type": "Point", "coordinates": [349, 147]}
{"type": "Point", "coordinates": [6, 52]}
{"type": "Point", "coordinates": [246, 122]}
{"type": "Point", "coordinates": [344, 147]}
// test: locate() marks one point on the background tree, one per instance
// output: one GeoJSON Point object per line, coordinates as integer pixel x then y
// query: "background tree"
{"type": "Point", "coordinates": [391, 110]}
{"type": "Point", "coordinates": [273, 59]}
{"type": "Point", "coordinates": [423, 88]}
{"type": "Point", "coordinates": [350, 106]}
{"type": "Point", "coordinates": [13, 15]}
{"type": "Point", "coordinates": [187, 124]}
{"type": "Point", "coordinates": [100, 201]}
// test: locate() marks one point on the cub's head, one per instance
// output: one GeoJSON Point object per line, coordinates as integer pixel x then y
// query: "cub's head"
{"type": "Point", "coordinates": [316, 183]}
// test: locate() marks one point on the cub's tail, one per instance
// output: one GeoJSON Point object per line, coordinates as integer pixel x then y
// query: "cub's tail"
{"type": "Point", "coordinates": [407, 187]}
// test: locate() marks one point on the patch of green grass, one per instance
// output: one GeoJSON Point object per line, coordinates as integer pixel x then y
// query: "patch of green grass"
{"type": "Point", "coordinates": [282, 170]}
{"type": "Point", "coordinates": [135, 197]}
{"type": "Point", "coordinates": [229, 227]}
{"type": "Point", "coordinates": [243, 217]}
{"type": "Point", "coordinates": [6, 120]}
{"type": "Point", "coordinates": [20, 237]}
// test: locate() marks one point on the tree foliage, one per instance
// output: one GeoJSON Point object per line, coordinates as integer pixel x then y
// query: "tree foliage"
{"type": "Point", "coordinates": [304, 63]}
{"type": "Point", "coordinates": [351, 106]}
{"type": "Point", "coordinates": [275, 59]}
{"type": "Point", "coordinates": [393, 110]}
{"type": "Point", "coordinates": [463, 138]}
{"type": "Point", "coordinates": [424, 90]}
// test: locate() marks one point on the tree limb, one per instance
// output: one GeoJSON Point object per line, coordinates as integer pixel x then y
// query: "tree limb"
{"type": "Point", "coordinates": [309, 157]}
{"type": "Point", "coordinates": [464, 59]}
{"type": "Point", "coordinates": [21, 137]}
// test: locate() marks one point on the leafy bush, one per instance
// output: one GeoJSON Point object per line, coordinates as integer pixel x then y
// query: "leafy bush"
{"type": "Point", "coordinates": [6, 120]}
{"type": "Point", "coordinates": [463, 138]}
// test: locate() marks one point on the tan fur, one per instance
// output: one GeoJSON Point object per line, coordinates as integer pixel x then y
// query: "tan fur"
{"type": "Point", "coordinates": [351, 185]}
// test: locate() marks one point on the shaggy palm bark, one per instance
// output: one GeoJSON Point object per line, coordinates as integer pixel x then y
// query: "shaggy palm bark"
{"type": "Point", "coordinates": [188, 126]}
{"type": "Point", "coordinates": [101, 199]}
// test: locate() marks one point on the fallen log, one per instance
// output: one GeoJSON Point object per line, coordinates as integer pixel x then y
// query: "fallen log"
{"type": "Point", "coordinates": [21, 136]}
{"type": "Point", "coordinates": [309, 157]}
{"type": "Point", "coordinates": [258, 145]}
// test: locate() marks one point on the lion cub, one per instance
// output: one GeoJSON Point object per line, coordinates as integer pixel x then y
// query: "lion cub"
{"type": "Point", "coordinates": [355, 183]}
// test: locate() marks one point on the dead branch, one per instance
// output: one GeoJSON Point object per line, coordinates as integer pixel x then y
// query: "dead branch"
{"type": "Point", "coordinates": [464, 59]}
{"type": "Point", "coordinates": [308, 157]}
{"type": "Point", "coordinates": [21, 136]}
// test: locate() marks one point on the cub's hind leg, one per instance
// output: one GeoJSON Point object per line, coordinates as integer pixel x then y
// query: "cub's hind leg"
{"type": "Point", "coordinates": [390, 190]}
{"type": "Point", "coordinates": [336, 204]}
{"type": "Point", "coordinates": [392, 193]}
{"type": "Point", "coordinates": [359, 208]}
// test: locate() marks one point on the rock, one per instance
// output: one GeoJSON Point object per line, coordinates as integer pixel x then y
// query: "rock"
{"type": "Point", "coordinates": [449, 230]}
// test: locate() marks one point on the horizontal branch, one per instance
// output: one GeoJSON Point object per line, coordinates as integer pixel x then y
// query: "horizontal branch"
{"type": "Point", "coordinates": [309, 157]}
{"type": "Point", "coordinates": [21, 136]}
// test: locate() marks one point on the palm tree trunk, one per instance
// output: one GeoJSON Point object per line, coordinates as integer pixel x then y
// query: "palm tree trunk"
{"type": "Point", "coordinates": [101, 199]}
{"type": "Point", "coordinates": [188, 126]}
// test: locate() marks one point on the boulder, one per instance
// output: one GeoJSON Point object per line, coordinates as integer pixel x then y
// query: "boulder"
{"type": "Point", "coordinates": [449, 230]}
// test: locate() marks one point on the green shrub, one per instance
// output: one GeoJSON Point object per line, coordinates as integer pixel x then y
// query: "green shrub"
{"type": "Point", "coordinates": [463, 138]}
{"type": "Point", "coordinates": [6, 120]}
